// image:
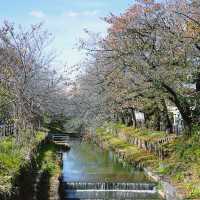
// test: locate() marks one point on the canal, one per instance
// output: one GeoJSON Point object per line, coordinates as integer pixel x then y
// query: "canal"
{"type": "Point", "coordinates": [90, 173]}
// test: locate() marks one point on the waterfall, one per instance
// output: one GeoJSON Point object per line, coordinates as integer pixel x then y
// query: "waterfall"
{"type": "Point", "coordinates": [109, 190]}
{"type": "Point", "coordinates": [108, 186]}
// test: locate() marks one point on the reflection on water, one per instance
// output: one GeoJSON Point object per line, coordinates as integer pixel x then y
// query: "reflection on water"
{"type": "Point", "coordinates": [90, 173]}
{"type": "Point", "coordinates": [86, 162]}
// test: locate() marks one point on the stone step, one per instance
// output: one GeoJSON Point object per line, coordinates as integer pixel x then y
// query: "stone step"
{"type": "Point", "coordinates": [112, 186]}
{"type": "Point", "coordinates": [110, 199]}
{"type": "Point", "coordinates": [111, 194]}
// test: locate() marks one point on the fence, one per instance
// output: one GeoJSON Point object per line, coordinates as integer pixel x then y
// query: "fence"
{"type": "Point", "coordinates": [6, 130]}
{"type": "Point", "coordinates": [155, 147]}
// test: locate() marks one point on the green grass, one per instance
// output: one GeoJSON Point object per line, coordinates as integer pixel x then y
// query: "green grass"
{"type": "Point", "coordinates": [13, 157]}
{"type": "Point", "coordinates": [183, 165]}
{"type": "Point", "coordinates": [145, 134]}
{"type": "Point", "coordinates": [47, 159]}
{"type": "Point", "coordinates": [40, 135]}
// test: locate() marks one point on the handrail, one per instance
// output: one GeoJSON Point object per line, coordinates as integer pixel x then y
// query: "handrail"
{"type": "Point", "coordinates": [7, 130]}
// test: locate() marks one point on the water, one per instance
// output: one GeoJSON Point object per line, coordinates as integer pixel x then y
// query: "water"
{"type": "Point", "coordinates": [90, 173]}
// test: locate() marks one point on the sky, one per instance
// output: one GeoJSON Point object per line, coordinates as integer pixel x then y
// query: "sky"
{"type": "Point", "coordinates": [65, 19]}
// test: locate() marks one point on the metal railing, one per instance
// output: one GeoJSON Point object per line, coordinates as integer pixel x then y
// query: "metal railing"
{"type": "Point", "coordinates": [7, 130]}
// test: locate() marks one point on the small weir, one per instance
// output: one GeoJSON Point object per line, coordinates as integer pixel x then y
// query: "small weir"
{"type": "Point", "coordinates": [108, 186]}
{"type": "Point", "coordinates": [89, 173]}
{"type": "Point", "coordinates": [81, 190]}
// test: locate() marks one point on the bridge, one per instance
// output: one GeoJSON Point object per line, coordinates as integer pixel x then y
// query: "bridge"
{"type": "Point", "coordinates": [60, 139]}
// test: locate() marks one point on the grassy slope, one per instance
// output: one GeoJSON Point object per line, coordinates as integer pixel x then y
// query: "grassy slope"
{"type": "Point", "coordinates": [47, 159]}
{"type": "Point", "coordinates": [131, 152]}
{"type": "Point", "coordinates": [182, 165]}
{"type": "Point", "coordinates": [13, 157]}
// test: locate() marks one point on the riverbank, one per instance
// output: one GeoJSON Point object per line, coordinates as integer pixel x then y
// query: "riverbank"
{"type": "Point", "coordinates": [173, 162]}
{"type": "Point", "coordinates": [49, 165]}
{"type": "Point", "coordinates": [28, 171]}
{"type": "Point", "coordinates": [14, 158]}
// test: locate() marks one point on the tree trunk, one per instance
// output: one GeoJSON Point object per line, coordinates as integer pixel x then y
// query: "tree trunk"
{"type": "Point", "coordinates": [122, 119]}
{"type": "Point", "coordinates": [198, 83]}
{"type": "Point", "coordinates": [169, 125]}
{"type": "Point", "coordinates": [146, 120]}
{"type": "Point", "coordinates": [157, 119]}
{"type": "Point", "coordinates": [129, 120]}
{"type": "Point", "coordinates": [183, 108]}
{"type": "Point", "coordinates": [134, 121]}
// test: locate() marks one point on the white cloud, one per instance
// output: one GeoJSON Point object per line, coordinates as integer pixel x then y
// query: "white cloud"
{"type": "Point", "coordinates": [37, 14]}
{"type": "Point", "coordinates": [72, 14]}
{"type": "Point", "coordinates": [90, 13]}
{"type": "Point", "coordinates": [81, 13]}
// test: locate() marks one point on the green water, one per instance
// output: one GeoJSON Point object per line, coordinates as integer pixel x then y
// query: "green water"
{"type": "Point", "coordinates": [90, 173]}
{"type": "Point", "coordinates": [86, 162]}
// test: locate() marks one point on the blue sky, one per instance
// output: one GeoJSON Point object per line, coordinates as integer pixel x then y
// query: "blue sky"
{"type": "Point", "coordinates": [65, 19]}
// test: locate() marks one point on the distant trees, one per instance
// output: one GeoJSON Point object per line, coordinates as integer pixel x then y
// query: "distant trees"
{"type": "Point", "coordinates": [148, 61]}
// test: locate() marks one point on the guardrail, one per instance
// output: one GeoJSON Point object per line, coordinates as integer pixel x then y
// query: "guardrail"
{"type": "Point", "coordinates": [6, 130]}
